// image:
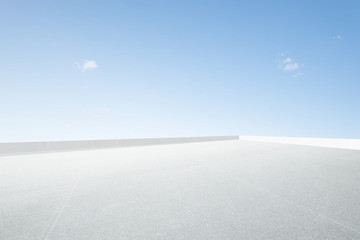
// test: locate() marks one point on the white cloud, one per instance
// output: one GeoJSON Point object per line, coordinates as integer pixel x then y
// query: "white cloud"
{"type": "Point", "coordinates": [291, 67]}
{"type": "Point", "coordinates": [99, 112]}
{"type": "Point", "coordinates": [288, 65]}
{"type": "Point", "coordinates": [337, 37]}
{"type": "Point", "coordinates": [288, 60]}
{"type": "Point", "coordinates": [87, 65]}
{"type": "Point", "coordinates": [298, 74]}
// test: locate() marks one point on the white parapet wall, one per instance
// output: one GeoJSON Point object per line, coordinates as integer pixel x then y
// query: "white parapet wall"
{"type": "Point", "coordinates": [12, 148]}
{"type": "Point", "coordinates": [319, 142]}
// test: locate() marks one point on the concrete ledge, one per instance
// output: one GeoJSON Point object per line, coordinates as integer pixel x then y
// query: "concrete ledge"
{"type": "Point", "coordinates": [14, 148]}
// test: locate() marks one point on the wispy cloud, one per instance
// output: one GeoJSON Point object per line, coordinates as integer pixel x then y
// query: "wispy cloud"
{"type": "Point", "coordinates": [298, 74]}
{"type": "Point", "coordinates": [99, 112]}
{"type": "Point", "coordinates": [337, 37]}
{"type": "Point", "coordinates": [87, 65]}
{"type": "Point", "coordinates": [288, 65]}
{"type": "Point", "coordinates": [291, 67]}
{"type": "Point", "coordinates": [288, 60]}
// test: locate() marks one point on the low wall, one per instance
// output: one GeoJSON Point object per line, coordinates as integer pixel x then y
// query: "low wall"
{"type": "Point", "coordinates": [14, 148]}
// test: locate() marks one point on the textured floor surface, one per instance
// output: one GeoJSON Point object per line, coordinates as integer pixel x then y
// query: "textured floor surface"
{"type": "Point", "coordinates": [214, 190]}
{"type": "Point", "coordinates": [342, 143]}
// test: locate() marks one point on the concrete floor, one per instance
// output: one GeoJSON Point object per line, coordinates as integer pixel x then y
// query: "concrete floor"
{"type": "Point", "coordinates": [213, 190]}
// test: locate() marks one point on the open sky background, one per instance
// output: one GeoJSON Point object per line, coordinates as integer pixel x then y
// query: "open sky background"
{"type": "Point", "coordinates": [129, 69]}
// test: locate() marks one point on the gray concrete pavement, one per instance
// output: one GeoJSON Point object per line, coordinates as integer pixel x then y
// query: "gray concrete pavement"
{"type": "Point", "coordinates": [16, 148]}
{"type": "Point", "coordinates": [210, 190]}
{"type": "Point", "coordinates": [342, 143]}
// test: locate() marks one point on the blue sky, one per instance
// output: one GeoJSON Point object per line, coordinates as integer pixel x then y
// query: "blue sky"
{"type": "Point", "coordinates": [128, 69]}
